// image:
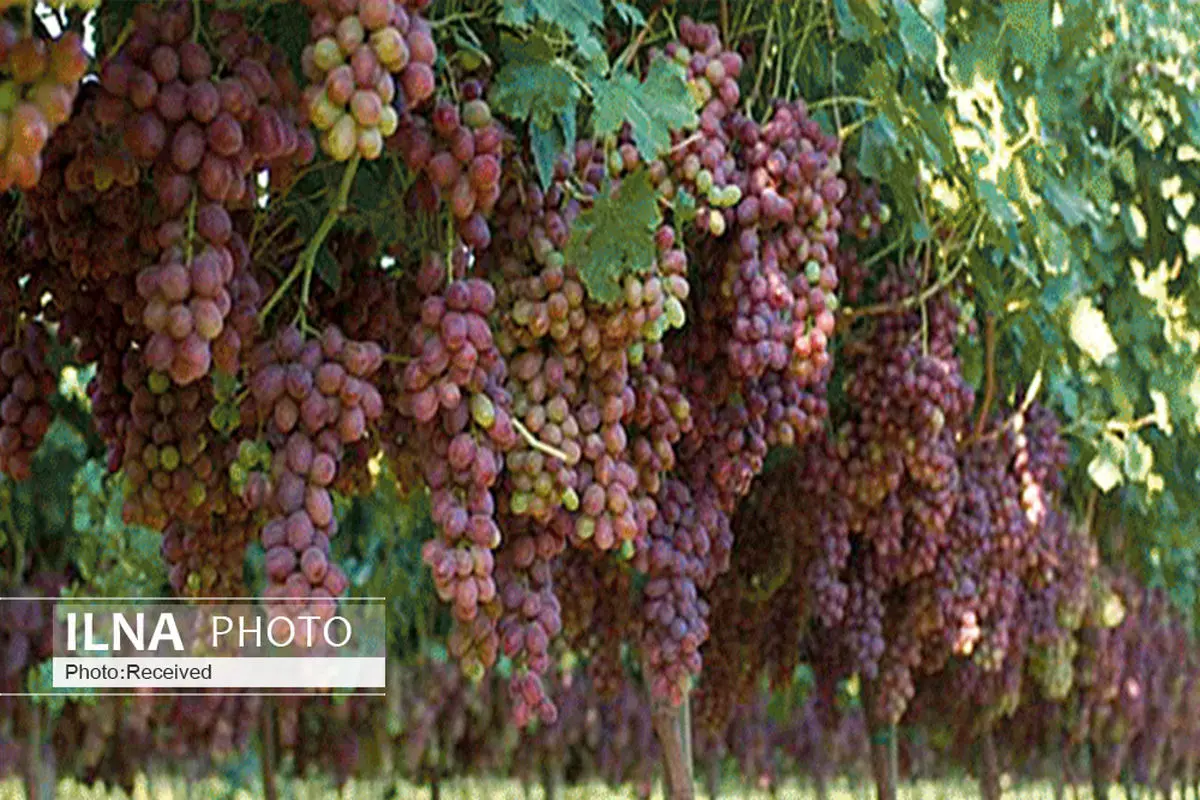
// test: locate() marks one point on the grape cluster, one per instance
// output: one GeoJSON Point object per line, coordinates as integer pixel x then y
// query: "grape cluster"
{"type": "Point", "coordinates": [208, 723]}
{"type": "Point", "coordinates": [40, 81]}
{"type": "Point", "coordinates": [314, 397]}
{"type": "Point", "coordinates": [87, 204]}
{"type": "Point", "coordinates": [26, 385]}
{"type": "Point", "coordinates": [674, 616]}
{"type": "Point", "coordinates": [599, 602]}
{"type": "Point", "coordinates": [458, 155]}
{"type": "Point", "coordinates": [25, 630]}
{"type": "Point", "coordinates": [206, 562]}
{"type": "Point", "coordinates": [187, 296]}
{"type": "Point", "coordinates": [531, 615]}
{"type": "Point", "coordinates": [359, 50]}
{"type": "Point", "coordinates": [574, 361]}
{"type": "Point", "coordinates": [451, 391]}
{"type": "Point", "coordinates": [203, 129]}
{"type": "Point", "coordinates": [165, 455]}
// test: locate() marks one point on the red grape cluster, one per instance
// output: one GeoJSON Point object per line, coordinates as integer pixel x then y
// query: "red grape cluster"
{"type": "Point", "coordinates": [531, 615]}
{"type": "Point", "coordinates": [597, 605]}
{"type": "Point", "coordinates": [461, 426]}
{"type": "Point", "coordinates": [26, 386]}
{"type": "Point", "coordinates": [213, 725]}
{"type": "Point", "coordinates": [458, 155]}
{"type": "Point", "coordinates": [204, 128]}
{"type": "Point", "coordinates": [359, 49]}
{"type": "Point", "coordinates": [574, 361]}
{"type": "Point", "coordinates": [25, 633]}
{"type": "Point", "coordinates": [41, 79]}
{"type": "Point", "coordinates": [187, 295]}
{"type": "Point", "coordinates": [204, 561]}
{"type": "Point", "coordinates": [675, 561]}
{"type": "Point", "coordinates": [87, 205]}
{"type": "Point", "coordinates": [314, 397]}
{"type": "Point", "coordinates": [169, 468]}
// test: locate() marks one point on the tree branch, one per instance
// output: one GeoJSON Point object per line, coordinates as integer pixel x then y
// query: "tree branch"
{"type": "Point", "coordinates": [989, 392]}
{"type": "Point", "coordinates": [308, 258]}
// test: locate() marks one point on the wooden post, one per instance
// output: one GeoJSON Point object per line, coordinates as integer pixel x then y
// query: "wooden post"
{"type": "Point", "coordinates": [712, 777]}
{"type": "Point", "coordinates": [267, 751]}
{"type": "Point", "coordinates": [1099, 785]}
{"type": "Point", "coordinates": [668, 727]}
{"type": "Point", "coordinates": [883, 747]}
{"type": "Point", "coordinates": [677, 773]}
{"type": "Point", "coordinates": [550, 782]}
{"type": "Point", "coordinates": [33, 776]}
{"type": "Point", "coordinates": [989, 774]}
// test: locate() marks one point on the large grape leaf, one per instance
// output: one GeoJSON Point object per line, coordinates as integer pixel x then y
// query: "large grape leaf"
{"type": "Point", "coordinates": [535, 85]}
{"type": "Point", "coordinates": [615, 237]}
{"type": "Point", "coordinates": [579, 18]}
{"type": "Point", "coordinates": [653, 107]}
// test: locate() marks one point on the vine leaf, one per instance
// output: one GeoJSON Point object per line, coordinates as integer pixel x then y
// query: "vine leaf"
{"type": "Point", "coordinates": [1139, 459]}
{"type": "Point", "coordinates": [653, 107]}
{"type": "Point", "coordinates": [615, 237]}
{"type": "Point", "coordinates": [546, 144]}
{"type": "Point", "coordinates": [535, 85]}
{"type": "Point", "coordinates": [578, 18]}
{"type": "Point", "coordinates": [629, 14]}
{"type": "Point", "coordinates": [918, 36]}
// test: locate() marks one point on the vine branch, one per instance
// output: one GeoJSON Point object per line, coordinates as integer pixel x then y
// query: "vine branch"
{"type": "Point", "coordinates": [308, 258]}
{"type": "Point", "coordinates": [989, 392]}
{"type": "Point", "coordinates": [910, 302]}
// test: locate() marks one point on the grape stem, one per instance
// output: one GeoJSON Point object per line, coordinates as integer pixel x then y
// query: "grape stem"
{"type": "Point", "coordinates": [907, 303]}
{"type": "Point", "coordinates": [538, 444]}
{"type": "Point", "coordinates": [308, 258]}
{"type": "Point", "coordinates": [189, 245]}
{"type": "Point", "coordinates": [989, 392]}
{"type": "Point", "coordinates": [631, 51]}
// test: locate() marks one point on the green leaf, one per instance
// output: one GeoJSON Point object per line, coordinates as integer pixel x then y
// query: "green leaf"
{"type": "Point", "coordinates": [630, 15]}
{"type": "Point", "coordinates": [653, 108]}
{"type": "Point", "coordinates": [875, 148]}
{"type": "Point", "coordinates": [328, 269]}
{"type": "Point", "coordinates": [917, 35]}
{"type": "Point", "coordinates": [848, 26]}
{"type": "Point", "coordinates": [615, 237]}
{"type": "Point", "coordinates": [1104, 469]}
{"type": "Point", "coordinates": [534, 83]}
{"type": "Point", "coordinates": [576, 17]}
{"type": "Point", "coordinates": [935, 12]}
{"type": "Point", "coordinates": [1135, 225]}
{"type": "Point", "coordinates": [516, 12]}
{"type": "Point", "coordinates": [1139, 458]}
{"type": "Point", "coordinates": [546, 144]}
{"type": "Point", "coordinates": [1069, 202]}
{"type": "Point", "coordinates": [1030, 34]}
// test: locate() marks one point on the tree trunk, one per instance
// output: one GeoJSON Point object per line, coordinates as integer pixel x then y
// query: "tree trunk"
{"type": "Point", "coordinates": [435, 789]}
{"type": "Point", "coordinates": [989, 773]}
{"type": "Point", "coordinates": [1099, 785]}
{"type": "Point", "coordinates": [883, 747]}
{"type": "Point", "coordinates": [820, 787]}
{"type": "Point", "coordinates": [550, 782]}
{"type": "Point", "coordinates": [712, 777]}
{"type": "Point", "coordinates": [33, 775]}
{"type": "Point", "coordinates": [270, 790]}
{"type": "Point", "coordinates": [668, 727]}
